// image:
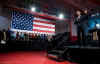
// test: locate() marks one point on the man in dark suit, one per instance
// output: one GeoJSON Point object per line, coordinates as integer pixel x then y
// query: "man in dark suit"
{"type": "Point", "coordinates": [8, 34]}
{"type": "Point", "coordinates": [77, 22]}
{"type": "Point", "coordinates": [80, 28]}
{"type": "Point", "coordinates": [1, 35]}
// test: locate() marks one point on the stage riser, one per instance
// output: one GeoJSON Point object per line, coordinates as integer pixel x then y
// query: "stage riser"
{"type": "Point", "coordinates": [23, 45]}
{"type": "Point", "coordinates": [83, 55]}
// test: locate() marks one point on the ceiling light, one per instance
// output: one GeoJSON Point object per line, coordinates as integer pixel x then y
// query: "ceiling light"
{"type": "Point", "coordinates": [61, 16]}
{"type": "Point", "coordinates": [98, 25]}
{"type": "Point", "coordinates": [33, 9]}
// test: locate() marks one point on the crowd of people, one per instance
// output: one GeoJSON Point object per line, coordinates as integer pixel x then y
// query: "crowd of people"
{"type": "Point", "coordinates": [16, 35]}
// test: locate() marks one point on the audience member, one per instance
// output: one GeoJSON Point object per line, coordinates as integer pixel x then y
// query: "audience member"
{"type": "Point", "coordinates": [8, 34]}
{"type": "Point", "coordinates": [33, 36]}
{"type": "Point", "coordinates": [16, 35]}
{"type": "Point", "coordinates": [21, 35]}
{"type": "Point", "coordinates": [49, 37]}
{"type": "Point", "coordinates": [4, 35]}
{"type": "Point", "coordinates": [1, 35]}
{"type": "Point", "coordinates": [26, 37]}
{"type": "Point", "coordinates": [13, 35]}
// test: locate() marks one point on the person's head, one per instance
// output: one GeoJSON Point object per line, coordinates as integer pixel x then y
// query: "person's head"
{"type": "Point", "coordinates": [21, 32]}
{"type": "Point", "coordinates": [9, 28]}
{"type": "Point", "coordinates": [78, 12]}
{"type": "Point", "coordinates": [18, 32]}
{"type": "Point", "coordinates": [85, 11]}
{"type": "Point", "coordinates": [31, 33]}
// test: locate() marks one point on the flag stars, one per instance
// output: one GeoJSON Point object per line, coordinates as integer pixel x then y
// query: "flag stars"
{"type": "Point", "coordinates": [22, 21]}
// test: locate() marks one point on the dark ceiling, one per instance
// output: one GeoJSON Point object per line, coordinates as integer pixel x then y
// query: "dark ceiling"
{"type": "Point", "coordinates": [54, 6]}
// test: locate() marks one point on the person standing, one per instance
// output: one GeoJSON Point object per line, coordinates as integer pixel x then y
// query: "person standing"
{"type": "Point", "coordinates": [80, 31]}
{"type": "Point", "coordinates": [85, 18]}
{"type": "Point", "coordinates": [4, 35]}
{"type": "Point", "coordinates": [8, 33]}
{"type": "Point", "coordinates": [1, 36]}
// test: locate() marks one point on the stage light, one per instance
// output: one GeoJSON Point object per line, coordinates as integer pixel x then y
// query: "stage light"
{"type": "Point", "coordinates": [3, 42]}
{"type": "Point", "coordinates": [61, 16]}
{"type": "Point", "coordinates": [33, 9]}
{"type": "Point", "coordinates": [98, 26]}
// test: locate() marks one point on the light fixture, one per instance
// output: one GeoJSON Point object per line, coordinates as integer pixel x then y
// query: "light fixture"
{"type": "Point", "coordinates": [98, 26]}
{"type": "Point", "coordinates": [3, 42]}
{"type": "Point", "coordinates": [33, 9]}
{"type": "Point", "coordinates": [61, 16]}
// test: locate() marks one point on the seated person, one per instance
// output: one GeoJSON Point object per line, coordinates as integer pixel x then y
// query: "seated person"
{"type": "Point", "coordinates": [21, 35]}
{"type": "Point", "coordinates": [13, 35]}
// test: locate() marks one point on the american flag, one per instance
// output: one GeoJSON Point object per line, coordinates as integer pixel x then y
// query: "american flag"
{"type": "Point", "coordinates": [24, 22]}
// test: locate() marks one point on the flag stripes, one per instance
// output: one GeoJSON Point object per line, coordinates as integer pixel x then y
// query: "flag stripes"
{"type": "Point", "coordinates": [24, 22]}
{"type": "Point", "coordinates": [43, 26]}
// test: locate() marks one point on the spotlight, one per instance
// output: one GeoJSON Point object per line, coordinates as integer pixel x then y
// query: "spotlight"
{"type": "Point", "coordinates": [61, 16]}
{"type": "Point", "coordinates": [3, 42]}
{"type": "Point", "coordinates": [98, 26]}
{"type": "Point", "coordinates": [33, 9]}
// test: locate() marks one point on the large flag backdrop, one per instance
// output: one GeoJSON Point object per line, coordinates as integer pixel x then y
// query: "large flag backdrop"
{"type": "Point", "coordinates": [25, 22]}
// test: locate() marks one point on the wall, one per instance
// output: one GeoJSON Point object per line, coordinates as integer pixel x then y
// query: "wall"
{"type": "Point", "coordinates": [62, 26]}
{"type": "Point", "coordinates": [4, 18]}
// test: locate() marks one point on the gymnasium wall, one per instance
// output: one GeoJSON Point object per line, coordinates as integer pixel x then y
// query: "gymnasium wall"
{"type": "Point", "coordinates": [5, 20]}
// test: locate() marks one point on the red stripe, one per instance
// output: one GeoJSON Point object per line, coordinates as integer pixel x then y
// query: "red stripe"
{"type": "Point", "coordinates": [35, 25]}
{"type": "Point", "coordinates": [46, 22]}
{"type": "Point", "coordinates": [43, 31]}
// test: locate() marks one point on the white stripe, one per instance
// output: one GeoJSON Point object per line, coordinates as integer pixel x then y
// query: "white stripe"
{"type": "Point", "coordinates": [22, 30]}
{"type": "Point", "coordinates": [44, 24]}
{"type": "Point", "coordinates": [45, 29]}
{"type": "Point", "coordinates": [44, 33]}
{"type": "Point", "coordinates": [35, 32]}
{"type": "Point", "coordinates": [41, 19]}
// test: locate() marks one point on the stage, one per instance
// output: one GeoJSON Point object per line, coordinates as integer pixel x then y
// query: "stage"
{"type": "Point", "coordinates": [84, 54]}
{"type": "Point", "coordinates": [29, 57]}
{"type": "Point", "coordinates": [83, 47]}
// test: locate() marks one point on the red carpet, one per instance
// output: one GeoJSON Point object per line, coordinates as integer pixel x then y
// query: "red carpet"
{"type": "Point", "coordinates": [27, 58]}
